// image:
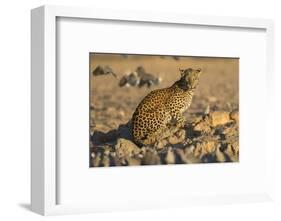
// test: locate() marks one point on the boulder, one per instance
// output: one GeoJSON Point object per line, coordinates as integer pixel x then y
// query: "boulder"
{"type": "Point", "coordinates": [132, 161]}
{"type": "Point", "coordinates": [178, 137]}
{"type": "Point", "coordinates": [219, 155]}
{"type": "Point", "coordinates": [126, 148]}
{"type": "Point", "coordinates": [151, 157]}
{"type": "Point", "coordinates": [234, 115]}
{"type": "Point", "coordinates": [219, 118]}
{"type": "Point", "coordinates": [202, 127]}
{"type": "Point", "coordinates": [170, 157]}
{"type": "Point", "coordinates": [161, 144]}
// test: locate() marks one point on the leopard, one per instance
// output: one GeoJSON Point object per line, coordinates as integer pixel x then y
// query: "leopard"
{"type": "Point", "coordinates": [162, 110]}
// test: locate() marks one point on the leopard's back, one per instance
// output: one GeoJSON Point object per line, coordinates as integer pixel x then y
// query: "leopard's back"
{"type": "Point", "coordinates": [150, 115]}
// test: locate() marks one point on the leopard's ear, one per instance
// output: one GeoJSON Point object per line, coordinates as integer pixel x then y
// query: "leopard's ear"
{"type": "Point", "coordinates": [181, 72]}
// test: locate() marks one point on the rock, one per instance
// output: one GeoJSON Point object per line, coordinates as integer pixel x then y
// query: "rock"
{"type": "Point", "coordinates": [219, 155]}
{"type": "Point", "coordinates": [105, 161]}
{"type": "Point", "coordinates": [234, 158]}
{"type": "Point", "coordinates": [234, 115]}
{"type": "Point", "coordinates": [181, 134]}
{"type": "Point", "coordinates": [151, 158]}
{"type": "Point", "coordinates": [139, 78]}
{"type": "Point", "coordinates": [235, 146]}
{"type": "Point", "coordinates": [161, 144]}
{"type": "Point", "coordinates": [186, 155]}
{"type": "Point", "coordinates": [96, 160]}
{"type": "Point", "coordinates": [170, 157]}
{"type": "Point", "coordinates": [181, 154]}
{"type": "Point", "coordinates": [111, 110]}
{"type": "Point", "coordinates": [209, 137]}
{"type": "Point", "coordinates": [178, 137]}
{"type": "Point", "coordinates": [145, 78]}
{"type": "Point", "coordinates": [173, 139]}
{"type": "Point", "coordinates": [121, 114]}
{"type": "Point", "coordinates": [231, 132]}
{"type": "Point", "coordinates": [103, 70]}
{"type": "Point", "coordinates": [124, 131]}
{"type": "Point", "coordinates": [197, 119]}
{"type": "Point", "coordinates": [126, 148]}
{"type": "Point", "coordinates": [107, 150]}
{"type": "Point", "coordinates": [207, 110]}
{"type": "Point", "coordinates": [207, 147]}
{"type": "Point", "coordinates": [189, 150]}
{"type": "Point", "coordinates": [212, 99]}
{"type": "Point", "coordinates": [92, 123]}
{"type": "Point", "coordinates": [92, 107]}
{"type": "Point", "coordinates": [197, 151]}
{"type": "Point", "coordinates": [143, 150]}
{"type": "Point", "coordinates": [232, 153]}
{"type": "Point", "coordinates": [219, 118]}
{"type": "Point", "coordinates": [117, 161]}
{"type": "Point", "coordinates": [189, 155]}
{"type": "Point", "coordinates": [132, 161]}
{"type": "Point", "coordinates": [202, 126]}
{"type": "Point", "coordinates": [130, 79]}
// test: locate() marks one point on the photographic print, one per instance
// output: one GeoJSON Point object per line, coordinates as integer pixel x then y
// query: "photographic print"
{"type": "Point", "coordinates": [161, 109]}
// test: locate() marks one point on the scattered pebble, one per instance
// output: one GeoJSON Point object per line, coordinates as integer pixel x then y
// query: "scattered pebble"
{"type": "Point", "coordinates": [212, 99]}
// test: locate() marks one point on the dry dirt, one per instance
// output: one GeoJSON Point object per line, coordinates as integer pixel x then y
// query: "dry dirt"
{"type": "Point", "coordinates": [211, 133]}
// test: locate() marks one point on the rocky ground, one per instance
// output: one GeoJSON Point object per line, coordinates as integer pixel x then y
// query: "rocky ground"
{"type": "Point", "coordinates": [211, 133]}
{"type": "Point", "coordinates": [209, 138]}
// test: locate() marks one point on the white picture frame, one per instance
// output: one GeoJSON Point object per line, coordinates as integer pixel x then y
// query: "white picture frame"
{"type": "Point", "coordinates": [44, 171]}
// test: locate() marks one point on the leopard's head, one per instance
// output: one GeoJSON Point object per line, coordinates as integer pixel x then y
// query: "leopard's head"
{"type": "Point", "coordinates": [189, 78]}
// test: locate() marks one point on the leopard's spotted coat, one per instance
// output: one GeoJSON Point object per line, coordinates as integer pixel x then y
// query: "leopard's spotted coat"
{"type": "Point", "coordinates": [162, 109]}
